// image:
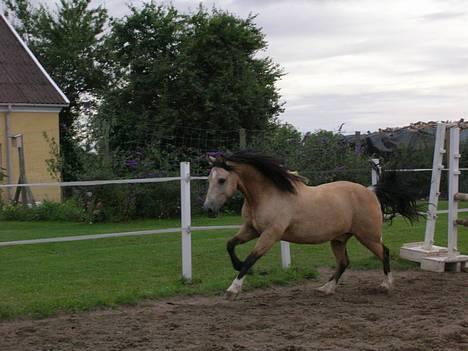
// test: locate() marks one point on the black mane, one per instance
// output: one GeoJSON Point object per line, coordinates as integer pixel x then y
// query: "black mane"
{"type": "Point", "coordinates": [267, 165]}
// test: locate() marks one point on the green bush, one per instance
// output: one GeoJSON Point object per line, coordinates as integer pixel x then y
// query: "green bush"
{"type": "Point", "coordinates": [46, 211]}
{"type": "Point", "coordinates": [161, 200]}
{"type": "Point", "coordinates": [321, 156]}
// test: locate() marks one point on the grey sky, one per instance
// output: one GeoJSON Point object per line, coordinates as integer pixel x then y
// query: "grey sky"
{"type": "Point", "coordinates": [366, 63]}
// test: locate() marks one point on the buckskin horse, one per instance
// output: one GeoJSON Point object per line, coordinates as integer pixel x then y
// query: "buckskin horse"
{"type": "Point", "coordinates": [278, 205]}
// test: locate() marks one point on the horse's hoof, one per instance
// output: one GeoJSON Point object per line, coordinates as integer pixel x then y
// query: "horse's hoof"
{"type": "Point", "coordinates": [387, 284]}
{"type": "Point", "coordinates": [328, 288]}
{"type": "Point", "coordinates": [230, 295]}
{"type": "Point", "coordinates": [386, 287]}
{"type": "Point", "coordinates": [324, 291]}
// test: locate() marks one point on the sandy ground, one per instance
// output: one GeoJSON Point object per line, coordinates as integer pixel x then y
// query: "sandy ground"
{"type": "Point", "coordinates": [426, 311]}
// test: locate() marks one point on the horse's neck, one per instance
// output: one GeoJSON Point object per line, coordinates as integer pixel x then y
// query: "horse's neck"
{"type": "Point", "coordinates": [254, 185]}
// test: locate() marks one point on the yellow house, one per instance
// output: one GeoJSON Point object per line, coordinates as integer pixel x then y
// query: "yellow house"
{"type": "Point", "coordinates": [30, 102]}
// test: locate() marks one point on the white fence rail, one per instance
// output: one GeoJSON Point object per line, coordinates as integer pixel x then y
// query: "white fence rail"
{"type": "Point", "coordinates": [96, 182]}
{"type": "Point", "coordinates": [186, 218]}
{"type": "Point", "coordinates": [111, 235]}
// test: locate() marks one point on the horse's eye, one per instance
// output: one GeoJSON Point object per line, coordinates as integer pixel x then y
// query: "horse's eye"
{"type": "Point", "coordinates": [221, 181]}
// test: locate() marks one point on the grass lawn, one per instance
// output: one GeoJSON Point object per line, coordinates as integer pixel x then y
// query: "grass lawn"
{"type": "Point", "coordinates": [41, 280]}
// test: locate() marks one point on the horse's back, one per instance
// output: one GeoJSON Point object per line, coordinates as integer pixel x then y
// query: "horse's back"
{"type": "Point", "coordinates": [364, 202]}
{"type": "Point", "coordinates": [329, 210]}
{"type": "Point", "coordinates": [355, 193]}
{"type": "Point", "coordinates": [361, 202]}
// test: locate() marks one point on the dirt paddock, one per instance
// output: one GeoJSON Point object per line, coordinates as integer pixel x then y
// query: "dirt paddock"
{"type": "Point", "coordinates": [426, 311]}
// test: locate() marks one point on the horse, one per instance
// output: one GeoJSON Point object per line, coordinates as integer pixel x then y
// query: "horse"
{"type": "Point", "coordinates": [279, 205]}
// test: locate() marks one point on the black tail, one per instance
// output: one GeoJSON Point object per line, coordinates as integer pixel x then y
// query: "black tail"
{"type": "Point", "coordinates": [397, 197]}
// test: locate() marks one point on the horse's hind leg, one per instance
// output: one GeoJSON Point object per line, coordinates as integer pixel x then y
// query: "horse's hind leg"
{"type": "Point", "coordinates": [342, 262]}
{"type": "Point", "coordinates": [388, 282]}
{"type": "Point", "coordinates": [383, 253]}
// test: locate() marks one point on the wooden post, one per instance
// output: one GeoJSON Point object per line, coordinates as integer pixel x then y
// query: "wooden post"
{"type": "Point", "coordinates": [25, 191]}
{"type": "Point", "coordinates": [242, 138]}
{"type": "Point", "coordinates": [9, 162]}
{"type": "Point", "coordinates": [106, 146]}
{"type": "Point", "coordinates": [186, 221]}
{"type": "Point", "coordinates": [24, 197]}
{"type": "Point", "coordinates": [375, 174]}
{"type": "Point", "coordinates": [2, 175]}
{"type": "Point", "coordinates": [357, 143]}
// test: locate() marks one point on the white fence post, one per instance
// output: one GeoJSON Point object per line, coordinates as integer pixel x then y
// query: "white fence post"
{"type": "Point", "coordinates": [285, 254]}
{"type": "Point", "coordinates": [454, 172]}
{"type": "Point", "coordinates": [437, 167]}
{"type": "Point", "coordinates": [186, 221]}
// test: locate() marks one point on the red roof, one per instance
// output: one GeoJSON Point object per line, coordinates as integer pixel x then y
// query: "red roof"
{"type": "Point", "coordinates": [22, 78]}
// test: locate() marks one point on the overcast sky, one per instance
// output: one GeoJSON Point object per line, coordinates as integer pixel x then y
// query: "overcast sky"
{"type": "Point", "coordinates": [366, 63]}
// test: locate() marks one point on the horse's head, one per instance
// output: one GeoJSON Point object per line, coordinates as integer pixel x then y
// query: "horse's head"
{"type": "Point", "coordinates": [222, 184]}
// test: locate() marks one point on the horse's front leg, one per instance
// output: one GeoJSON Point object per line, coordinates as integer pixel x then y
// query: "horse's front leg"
{"type": "Point", "coordinates": [245, 234]}
{"type": "Point", "coordinates": [267, 239]}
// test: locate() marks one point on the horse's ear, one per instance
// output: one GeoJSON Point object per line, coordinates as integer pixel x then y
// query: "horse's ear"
{"type": "Point", "coordinates": [211, 160]}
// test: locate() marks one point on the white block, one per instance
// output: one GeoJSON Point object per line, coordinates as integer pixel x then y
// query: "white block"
{"type": "Point", "coordinates": [445, 264]}
{"type": "Point", "coordinates": [416, 252]}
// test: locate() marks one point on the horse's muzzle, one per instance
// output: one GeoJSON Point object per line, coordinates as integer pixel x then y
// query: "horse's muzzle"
{"type": "Point", "coordinates": [210, 210]}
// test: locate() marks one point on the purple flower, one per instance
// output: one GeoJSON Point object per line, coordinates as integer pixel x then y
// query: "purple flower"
{"type": "Point", "coordinates": [131, 163]}
{"type": "Point", "coordinates": [215, 154]}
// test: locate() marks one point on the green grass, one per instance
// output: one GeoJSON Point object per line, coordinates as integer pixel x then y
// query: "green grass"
{"type": "Point", "coordinates": [41, 280]}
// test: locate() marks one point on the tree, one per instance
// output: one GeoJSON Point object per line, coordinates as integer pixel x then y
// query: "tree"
{"type": "Point", "coordinates": [172, 72]}
{"type": "Point", "coordinates": [68, 43]}
{"type": "Point", "coordinates": [224, 82]}
{"type": "Point", "coordinates": [142, 53]}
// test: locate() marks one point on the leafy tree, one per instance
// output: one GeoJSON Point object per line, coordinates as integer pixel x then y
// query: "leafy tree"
{"type": "Point", "coordinates": [197, 71]}
{"type": "Point", "coordinates": [142, 53]}
{"type": "Point", "coordinates": [68, 43]}
{"type": "Point", "coordinates": [224, 83]}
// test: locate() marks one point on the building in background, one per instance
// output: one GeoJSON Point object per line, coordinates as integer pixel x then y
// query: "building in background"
{"type": "Point", "coordinates": [30, 102]}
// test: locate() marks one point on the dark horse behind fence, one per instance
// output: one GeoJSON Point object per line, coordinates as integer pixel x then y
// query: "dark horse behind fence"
{"type": "Point", "coordinates": [278, 205]}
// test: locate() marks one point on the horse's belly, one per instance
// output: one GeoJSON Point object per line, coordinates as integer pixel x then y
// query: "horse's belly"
{"type": "Point", "coordinates": [318, 225]}
{"type": "Point", "coordinates": [311, 235]}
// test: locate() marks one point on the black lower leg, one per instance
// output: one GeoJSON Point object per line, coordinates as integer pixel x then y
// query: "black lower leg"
{"type": "Point", "coordinates": [386, 260]}
{"type": "Point", "coordinates": [236, 262]}
{"type": "Point", "coordinates": [342, 259]}
{"type": "Point", "coordinates": [340, 270]}
{"type": "Point", "coordinates": [248, 263]}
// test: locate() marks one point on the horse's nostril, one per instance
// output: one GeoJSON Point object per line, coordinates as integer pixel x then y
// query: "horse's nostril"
{"type": "Point", "coordinates": [210, 212]}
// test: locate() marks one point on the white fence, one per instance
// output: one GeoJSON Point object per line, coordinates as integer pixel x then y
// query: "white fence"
{"type": "Point", "coordinates": [186, 218]}
{"type": "Point", "coordinates": [186, 228]}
